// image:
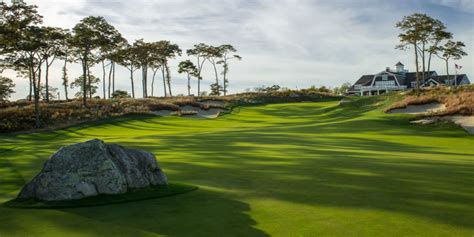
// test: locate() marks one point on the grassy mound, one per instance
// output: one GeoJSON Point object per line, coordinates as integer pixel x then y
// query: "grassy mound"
{"type": "Point", "coordinates": [132, 196]}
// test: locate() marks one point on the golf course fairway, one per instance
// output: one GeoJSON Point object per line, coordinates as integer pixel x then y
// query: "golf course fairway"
{"type": "Point", "coordinates": [295, 169]}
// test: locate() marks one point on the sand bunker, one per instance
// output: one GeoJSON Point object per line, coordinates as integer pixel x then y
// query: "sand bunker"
{"type": "Point", "coordinates": [191, 111]}
{"type": "Point", "coordinates": [217, 103]}
{"type": "Point", "coordinates": [201, 113]}
{"type": "Point", "coordinates": [163, 112]}
{"type": "Point", "coordinates": [467, 122]}
{"type": "Point", "coordinates": [419, 109]}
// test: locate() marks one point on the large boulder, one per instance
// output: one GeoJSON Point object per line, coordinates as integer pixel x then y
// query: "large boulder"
{"type": "Point", "coordinates": [92, 168]}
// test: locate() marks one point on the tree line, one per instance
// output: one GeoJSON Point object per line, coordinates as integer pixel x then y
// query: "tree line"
{"type": "Point", "coordinates": [30, 49]}
{"type": "Point", "coordinates": [428, 37]}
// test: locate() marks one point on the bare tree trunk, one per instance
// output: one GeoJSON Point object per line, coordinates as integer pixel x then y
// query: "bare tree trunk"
{"type": "Point", "coordinates": [37, 91]}
{"type": "Point", "coordinates": [225, 76]}
{"type": "Point", "coordinates": [144, 80]}
{"type": "Point", "coordinates": [153, 81]}
{"type": "Point", "coordinates": [65, 77]}
{"type": "Point", "coordinates": [36, 99]}
{"type": "Point", "coordinates": [84, 83]}
{"type": "Point", "coordinates": [200, 65]}
{"type": "Point", "coordinates": [30, 97]}
{"type": "Point", "coordinates": [417, 70]}
{"type": "Point", "coordinates": [110, 83]}
{"type": "Point", "coordinates": [168, 78]}
{"type": "Point", "coordinates": [423, 62]}
{"type": "Point", "coordinates": [103, 78]}
{"type": "Point", "coordinates": [89, 81]}
{"type": "Point", "coordinates": [189, 85]}
{"type": "Point", "coordinates": [131, 79]}
{"type": "Point", "coordinates": [46, 80]}
{"type": "Point", "coordinates": [217, 77]}
{"type": "Point", "coordinates": [113, 76]}
{"type": "Point", "coordinates": [199, 86]}
{"type": "Point", "coordinates": [429, 61]}
{"type": "Point", "coordinates": [164, 79]}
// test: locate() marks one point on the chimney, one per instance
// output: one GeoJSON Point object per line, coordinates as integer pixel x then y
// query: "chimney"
{"type": "Point", "coordinates": [387, 69]}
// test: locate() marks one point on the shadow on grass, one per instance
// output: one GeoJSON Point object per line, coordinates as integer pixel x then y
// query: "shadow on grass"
{"type": "Point", "coordinates": [327, 171]}
{"type": "Point", "coordinates": [153, 192]}
{"type": "Point", "coordinates": [199, 213]}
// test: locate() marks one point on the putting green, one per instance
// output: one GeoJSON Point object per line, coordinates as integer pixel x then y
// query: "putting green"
{"type": "Point", "coordinates": [297, 169]}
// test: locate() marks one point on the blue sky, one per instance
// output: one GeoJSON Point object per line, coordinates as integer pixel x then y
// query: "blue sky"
{"type": "Point", "coordinates": [293, 44]}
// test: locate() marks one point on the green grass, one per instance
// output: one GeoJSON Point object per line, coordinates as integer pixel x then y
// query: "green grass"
{"type": "Point", "coordinates": [298, 169]}
{"type": "Point", "coordinates": [152, 192]}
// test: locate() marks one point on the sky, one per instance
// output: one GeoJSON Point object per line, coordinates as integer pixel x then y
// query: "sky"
{"type": "Point", "coordinates": [291, 43]}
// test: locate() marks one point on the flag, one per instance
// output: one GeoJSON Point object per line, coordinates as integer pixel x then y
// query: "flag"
{"type": "Point", "coordinates": [458, 67]}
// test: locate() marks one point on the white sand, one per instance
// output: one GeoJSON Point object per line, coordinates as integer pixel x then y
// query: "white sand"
{"type": "Point", "coordinates": [467, 122]}
{"type": "Point", "coordinates": [218, 103]}
{"type": "Point", "coordinates": [163, 112]}
{"type": "Point", "coordinates": [211, 113]}
{"type": "Point", "coordinates": [419, 109]}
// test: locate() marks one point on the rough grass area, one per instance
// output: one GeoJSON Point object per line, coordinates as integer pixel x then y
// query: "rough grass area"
{"type": "Point", "coordinates": [132, 196]}
{"type": "Point", "coordinates": [458, 100]}
{"type": "Point", "coordinates": [290, 169]}
{"type": "Point", "coordinates": [20, 116]}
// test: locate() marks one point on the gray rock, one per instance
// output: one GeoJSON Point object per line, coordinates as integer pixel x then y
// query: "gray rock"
{"type": "Point", "coordinates": [92, 168]}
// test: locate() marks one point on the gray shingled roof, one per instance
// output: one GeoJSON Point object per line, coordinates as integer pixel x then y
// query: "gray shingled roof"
{"type": "Point", "coordinates": [443, 78]}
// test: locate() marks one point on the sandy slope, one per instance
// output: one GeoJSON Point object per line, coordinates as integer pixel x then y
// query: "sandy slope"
{"type": "Point", "coordinates": [467, 122]}
{"type": "Point", "coordinates": [419, 109]}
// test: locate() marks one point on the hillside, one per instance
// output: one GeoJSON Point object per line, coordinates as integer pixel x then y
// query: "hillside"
{"type": "Point", "coordinates": [315, 168]}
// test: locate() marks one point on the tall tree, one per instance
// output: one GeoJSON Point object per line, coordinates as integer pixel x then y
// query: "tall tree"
{"type": "Point", "coordinates": [108, 51]}
{"type": "Point", "coordinates": [65, 55]}
{"type": "Point", "coordinates": [190, 69]}
{"type": "Point", "coordinates": [227, 51]}
{"type": "Point", "coordinates": [53, 39]}
{"type": "Point", "coordinates": [128, 58]}
{"type": "Point", "coordinates": [200, 53]}
{"type": "Point", "coordinates": [21, 44]}
{"type": "Point", "coordinates": [143, 52]}
{"type": "Point", "coordinates": [214, 54]}
{"type": "Point", "coordinates": [438, 35]}
{"type": "Point", "coordinates": [451, 50]}
{"type": "Point", "coordinates": [90, 34]}
{"type": "Point", "coordinates": [166, 51]}
{"type": "Point", "coordinates": [13, 21]}
{"type": "Point", "coordinates": [413, 33]}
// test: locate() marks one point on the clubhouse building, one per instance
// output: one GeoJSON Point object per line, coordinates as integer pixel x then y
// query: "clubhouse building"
{"type": "Point", "coordinates": [401, 79]}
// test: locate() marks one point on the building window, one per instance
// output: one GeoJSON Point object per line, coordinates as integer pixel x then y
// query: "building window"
{"type": "Point", "coordinates": [413, 84]}
{"type": "Point", "coordinates": [384, 77]}
{"type": "Point", "coordinates": [384, 83]}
